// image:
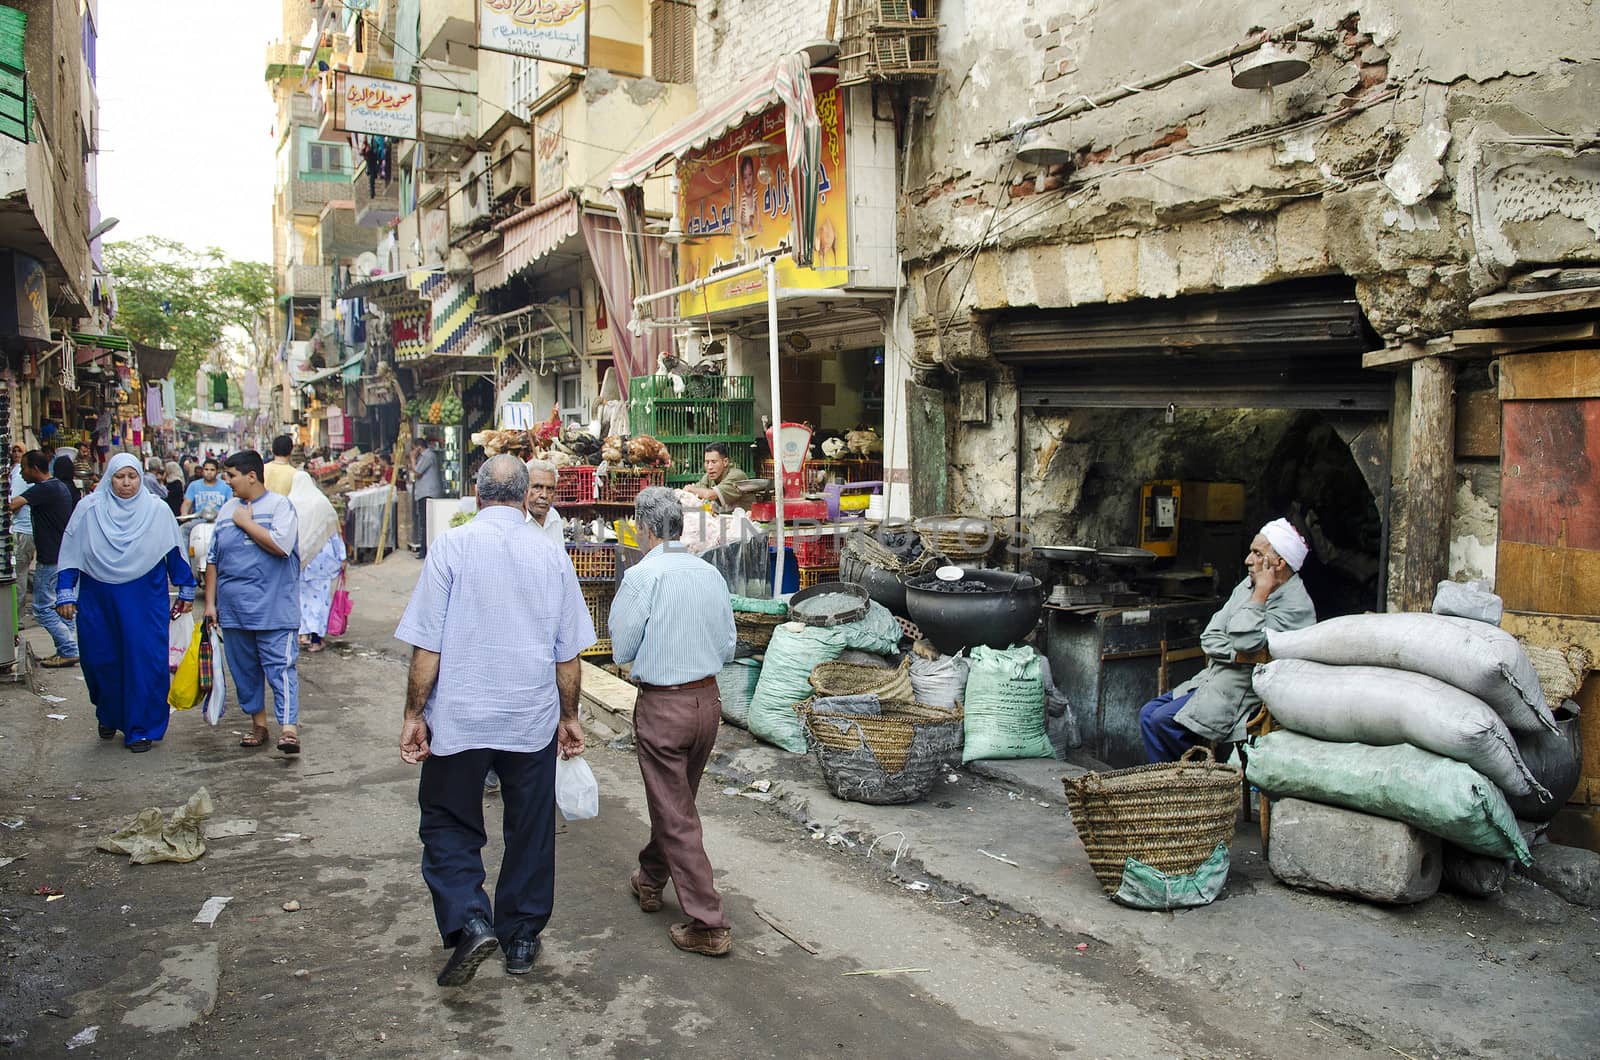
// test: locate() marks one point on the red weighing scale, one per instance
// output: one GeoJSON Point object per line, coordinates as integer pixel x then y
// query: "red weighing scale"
{"type": "Point", "coordinates": [790, 443]}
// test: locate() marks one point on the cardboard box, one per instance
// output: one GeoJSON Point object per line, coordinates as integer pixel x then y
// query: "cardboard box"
{"type": "Point", "coordinates": [1213, 502]}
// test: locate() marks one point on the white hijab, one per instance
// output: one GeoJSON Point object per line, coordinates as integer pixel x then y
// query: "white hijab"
{"type": "Point", "coordinates": [314, 512]}
{"type": "Point", "coordinates": [118, 540]}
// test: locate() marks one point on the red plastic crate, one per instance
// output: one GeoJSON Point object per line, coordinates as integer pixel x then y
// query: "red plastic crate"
{"type": "Point", "coordinates": [817, 550]}
{"type": "Point", "coordinates": [623, 484]}
{"type": "Point", "coordinates": [575, 486]}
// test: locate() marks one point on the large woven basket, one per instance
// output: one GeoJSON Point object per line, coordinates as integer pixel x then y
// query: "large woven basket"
{"type": "Point", "coordinates": [853, 679]}
{"type": "Point", "coordinates": [891, 757]}
{"type": "Point", "coordinates": [755, 628]}
{"type": "Point", "coordinates": [1170, 816]}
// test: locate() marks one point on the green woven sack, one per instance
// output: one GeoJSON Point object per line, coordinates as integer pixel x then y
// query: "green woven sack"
{"type": "Point", "coordinates": [1403, 783]}
{"type": "Point", "coordinates": [1144, 887]}
{"type": "Point", "coordinates": [1004, 705]}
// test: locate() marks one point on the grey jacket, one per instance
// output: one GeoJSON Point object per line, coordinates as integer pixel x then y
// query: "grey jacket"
{"type": "Point", "coordinates": [1223, 696]}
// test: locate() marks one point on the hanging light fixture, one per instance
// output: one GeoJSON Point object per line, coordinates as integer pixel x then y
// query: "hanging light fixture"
{"type": "Point", "coordinates": [1042, 147]}
{"type": "Point", "coordinates": [761, 150]}
{"type": "Point", "coordinates": [1272, 64]}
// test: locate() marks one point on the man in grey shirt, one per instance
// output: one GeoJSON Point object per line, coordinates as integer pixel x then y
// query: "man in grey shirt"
{"type": "Point", "coordinates": [426, 482]}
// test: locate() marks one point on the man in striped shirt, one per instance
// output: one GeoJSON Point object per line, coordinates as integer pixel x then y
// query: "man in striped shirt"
{"type": "Point", "coordinates": [496, 623]}
{"type": "Point", "coordinates": [673, 621]}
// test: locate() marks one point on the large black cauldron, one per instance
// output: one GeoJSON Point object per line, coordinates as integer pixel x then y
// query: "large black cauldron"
{"type": "Point", "coordinates": [1000, 616]}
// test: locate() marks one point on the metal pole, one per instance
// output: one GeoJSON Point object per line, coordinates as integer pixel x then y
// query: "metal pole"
{"type": "Point", "coordinates": [777, 419]}
{"type": "Point", "coordinates": [705, 281]}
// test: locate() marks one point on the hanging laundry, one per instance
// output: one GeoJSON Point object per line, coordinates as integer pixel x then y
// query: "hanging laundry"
{"type": "Point", "coordinates": [219, 390]}
{"type": "Point", "coordinates": [152, 406]}
{"type": "Point", "coordinates": [250, 389]}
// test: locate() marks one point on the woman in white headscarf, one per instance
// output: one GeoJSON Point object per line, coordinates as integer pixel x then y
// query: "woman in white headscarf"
{"type": "Point", "coordinates": [322, 558]}
{"type": "Point", "coordinates": [121, 550]}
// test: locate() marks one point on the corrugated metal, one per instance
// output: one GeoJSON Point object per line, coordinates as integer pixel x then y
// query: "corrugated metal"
{"type": "Point", "coordinates": [529, 236]}
{"type": "Point", "coordinates": [1284, 346]}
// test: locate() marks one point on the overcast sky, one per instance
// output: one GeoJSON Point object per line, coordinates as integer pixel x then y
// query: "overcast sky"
{"type": "Point", "coordinates": [186, 121]}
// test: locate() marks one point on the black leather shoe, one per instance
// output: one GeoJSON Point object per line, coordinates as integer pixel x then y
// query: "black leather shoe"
{"type": "Point", "coordinates": [520, 955]}
{"type": "Point", "coordinates": [107, 732]}
{"type": "Point", "coordinates": [139, 747]}
{"type": "Point", "coordinates": [476, 944]}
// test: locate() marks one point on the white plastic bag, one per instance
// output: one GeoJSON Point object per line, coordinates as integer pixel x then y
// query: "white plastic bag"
{"type": "Point", "coordinates": [577, 793]}
{"type": "Point", "coordinates": [218, 697]}
{"type": "Point", "coordinates": [179, 634]}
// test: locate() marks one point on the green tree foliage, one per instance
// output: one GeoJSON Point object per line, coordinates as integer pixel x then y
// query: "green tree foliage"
{"type": "Point", "coordinates": [175, 297]}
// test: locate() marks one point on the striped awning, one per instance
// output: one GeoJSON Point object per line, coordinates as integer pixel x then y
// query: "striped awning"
{"type": "Point", "coordinates": [754, 95]}
{"type": "Point", "coordinates": [528, 236]}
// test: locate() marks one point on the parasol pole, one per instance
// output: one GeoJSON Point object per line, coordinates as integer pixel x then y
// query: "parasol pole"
{"type": "Point", "coordinates": [388, 501]}
{"type": "Point", "coordinates": [777, 419]}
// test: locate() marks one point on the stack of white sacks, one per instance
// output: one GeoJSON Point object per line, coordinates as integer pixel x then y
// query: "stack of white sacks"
{"type": "Point", "coordinates": [1400, 763]}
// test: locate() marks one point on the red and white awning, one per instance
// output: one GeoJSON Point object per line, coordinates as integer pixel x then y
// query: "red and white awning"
{"type": "Point", "coordinates": [756, 94]}
{"type": "Point", "coordinates": [530, 235]}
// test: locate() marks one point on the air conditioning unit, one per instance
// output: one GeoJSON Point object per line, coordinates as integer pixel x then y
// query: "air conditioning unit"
{"type": "Point", "coordinates": [513, 162]}
{"type": "Point", "coordinates": [471, 194]}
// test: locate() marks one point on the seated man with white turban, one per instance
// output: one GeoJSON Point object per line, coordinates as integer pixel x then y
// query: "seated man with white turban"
{"type": "Point", "coordinates": [1215, 704]}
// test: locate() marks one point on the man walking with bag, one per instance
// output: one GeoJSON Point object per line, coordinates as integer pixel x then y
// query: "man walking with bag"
{"type": "Point", "coordinates": [496, 623]}
{"type": "Point", "coordinates": [672, 619]}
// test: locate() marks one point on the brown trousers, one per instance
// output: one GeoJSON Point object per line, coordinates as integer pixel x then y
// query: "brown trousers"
{"type": "Point", "coordinates": [674, 732]}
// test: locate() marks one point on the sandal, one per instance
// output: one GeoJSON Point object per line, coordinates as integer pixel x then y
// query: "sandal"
{"type": "Point", "coordinates": [289, 743]}
{"type": "Point", "coordinates": [257, 738]}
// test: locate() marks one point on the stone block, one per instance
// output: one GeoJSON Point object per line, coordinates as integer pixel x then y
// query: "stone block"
{"type": "Point", "coordinates": [1158, 264]}
{"type": "Point", "coordinates": [1327, 848]}
{"type": "Point", "coordinates": [1081, 267]}
{"type": "Point", "coordinates": [1049, 279]}
{"type": "Point", "coordinates": [1302, 234]}
{"type": "Point", "coordinates": [1119, 267]}
{"type": "Point", "coordinates": [1021, 279]}
{"type": "Point", "coordinates": [988, 282]}
{"type": "Point", "coordinates": [1197, 257]}
{"type": "Point", "coordinates": [1246, 253]}
{"type": "Point", "coordinates": [1571, 872]}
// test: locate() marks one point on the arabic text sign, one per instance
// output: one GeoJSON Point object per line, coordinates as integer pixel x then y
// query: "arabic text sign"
{"type": "Point", "coordinates": [377, 106]}
{"type": "Point", "coordinates": [555, 30]}
{"type": "Point", "coordinates": [732, 216]}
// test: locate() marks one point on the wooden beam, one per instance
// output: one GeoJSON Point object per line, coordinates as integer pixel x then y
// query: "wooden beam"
{"type": "Point", "coordinates": [1552, 374]}
{"type": "Point", "coordinates": [1407, 353]}
{"type": "Point", "coordinates": [1526, 336]}
{"type": "Point", "coordinates": [1430, 482]}
{"type": "Point", "coordinates": [1506, 306]}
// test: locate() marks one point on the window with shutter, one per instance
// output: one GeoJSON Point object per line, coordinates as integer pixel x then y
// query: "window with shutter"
{"type": "Point", "coordinates": [16, 102]}
{"type": "Point", "coordinates": [672, 41]}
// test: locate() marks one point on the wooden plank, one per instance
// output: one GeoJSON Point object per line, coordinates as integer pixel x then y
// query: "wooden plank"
{"type": "Point", "coordinates": [1407, 353]}
{"type": "Point", "coordinates": [1551, 374]}
{"type": "Point", "coordinates": [1549, 489]}
{"type": "Point", "coordinates": [1525, 336]}
{"type": "Point", "coordinates": [1430, 482]}
{"type": "Point", "coordinates": [1554, 631]}
{"type": "Point", "coordinates": [1556, 581]}
{"type": "Point", "coordinates": [609, 696]}
{"type": "Point", "coordinates": [1507, 306]}
{"type": "Point", "coordinates": [1477, 423]}
{"type": "Point", "coordinates": [929, 445]}
{"type": "Point", "coordinates": [618, 56]}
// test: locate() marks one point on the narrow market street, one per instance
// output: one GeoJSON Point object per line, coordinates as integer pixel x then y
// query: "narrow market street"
{"type": "Point", "coordinates": [941, 951]}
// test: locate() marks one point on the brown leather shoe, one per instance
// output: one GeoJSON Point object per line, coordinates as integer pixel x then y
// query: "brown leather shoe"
{"type": "Point", "coordinates": [713, 942]}
{"type": "Point", "coordinates": [649, 897]}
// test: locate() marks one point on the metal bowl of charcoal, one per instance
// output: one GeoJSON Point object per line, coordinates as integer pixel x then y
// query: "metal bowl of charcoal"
{"type": "Point", "coordinates": [993, 607]}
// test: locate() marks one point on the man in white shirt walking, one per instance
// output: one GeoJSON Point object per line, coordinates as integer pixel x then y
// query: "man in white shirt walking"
{"type": "Point", "coordinates": [496, 623]}
{"type": "Point", "coordinates": [21, 530]}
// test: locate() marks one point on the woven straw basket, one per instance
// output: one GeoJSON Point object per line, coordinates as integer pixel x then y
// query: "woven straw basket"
{"type": "Point", "coordinates": [892, 757]}
{"type": "Point", "coordinates": [1170, 816]}
{"type": "Point", "coordinates": [755, 629]}
{"type": "Point", "coordinates": [853, 679]}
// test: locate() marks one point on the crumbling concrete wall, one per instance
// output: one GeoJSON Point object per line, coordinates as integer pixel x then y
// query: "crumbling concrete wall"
{"type": "Point", "coordinates": [1433, 149]}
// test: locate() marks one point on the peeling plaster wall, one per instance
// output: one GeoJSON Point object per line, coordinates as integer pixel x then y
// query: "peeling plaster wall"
{"type": "Point", "coordinates": [1418, 198]}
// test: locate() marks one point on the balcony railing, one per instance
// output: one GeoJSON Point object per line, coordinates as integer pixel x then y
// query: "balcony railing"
{"type": "Point", "coordinates": [308, 197]}
{"type": "Point", "coordinates": [306, 281]}
{"type": "Point", "coordinates": [376, 208]}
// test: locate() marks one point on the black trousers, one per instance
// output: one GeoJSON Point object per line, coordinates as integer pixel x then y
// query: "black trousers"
{"type": "Point", "coordinates": [419, 524]}
{"type": "Point", "coordinates": [450, 795]}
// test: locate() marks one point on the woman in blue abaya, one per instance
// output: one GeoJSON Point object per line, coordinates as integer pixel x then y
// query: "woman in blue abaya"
{"type": "Point", "coordinates": [121, 549]}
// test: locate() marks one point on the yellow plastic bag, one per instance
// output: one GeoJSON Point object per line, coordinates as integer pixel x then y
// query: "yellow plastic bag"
{"type": "Point", "coordinates": [185, 690]}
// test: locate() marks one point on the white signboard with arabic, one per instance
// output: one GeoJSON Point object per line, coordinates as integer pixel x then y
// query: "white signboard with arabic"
{"type": "Point", "coordinates": [553, 30]}
{"type": "Point", "coordinates": [376, 106]}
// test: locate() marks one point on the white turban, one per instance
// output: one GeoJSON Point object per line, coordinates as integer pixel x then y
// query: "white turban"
{"type": "Point", "coordinates": [1287, 542]}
